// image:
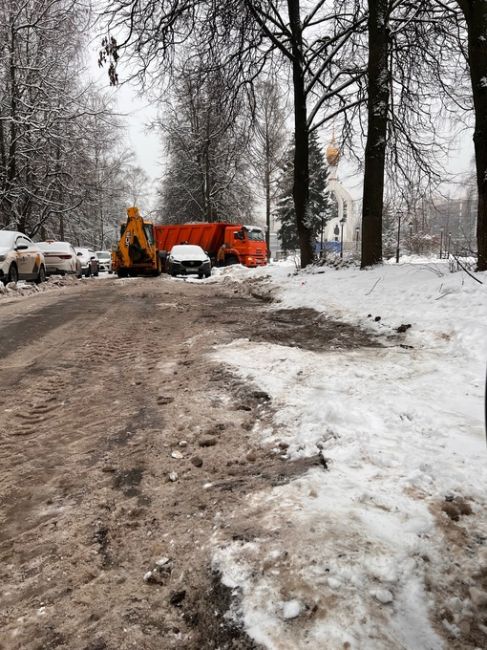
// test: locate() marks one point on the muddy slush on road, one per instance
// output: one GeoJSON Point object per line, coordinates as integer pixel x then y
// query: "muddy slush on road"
{"type": "Point", "coordinates": [123, 446]}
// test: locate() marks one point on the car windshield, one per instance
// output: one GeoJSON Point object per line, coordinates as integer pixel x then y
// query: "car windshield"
{"type": "Point", "coordinates": [103, 255]}
{"type": "Point", "coordinates": [255, 234]}
{"type": "Point", "coordinates": [7, 238]}
{"type": "Point", "coordinates": [187, 250]}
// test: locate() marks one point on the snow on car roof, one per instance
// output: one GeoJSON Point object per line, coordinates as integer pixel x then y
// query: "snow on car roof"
{"type": "Point", "coordinates": [189, 249]}
{"type": "Point", "coordinates": [58, 245]}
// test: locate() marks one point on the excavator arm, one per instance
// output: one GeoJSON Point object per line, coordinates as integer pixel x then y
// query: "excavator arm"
{"type": "Point", "coordinates": [136, 251]}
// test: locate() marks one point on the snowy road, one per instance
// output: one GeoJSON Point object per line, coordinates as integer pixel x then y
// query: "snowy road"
{"type": "Point", "coordinates": [123, 442]}
{"type": "Point", "coordinates": [107, 395]}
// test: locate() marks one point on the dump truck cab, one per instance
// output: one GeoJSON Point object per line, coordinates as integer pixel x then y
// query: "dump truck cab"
{"type": "Point", "coordinates": [243, 245]}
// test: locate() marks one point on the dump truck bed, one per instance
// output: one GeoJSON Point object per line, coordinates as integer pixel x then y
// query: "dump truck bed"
{"type": "Point", "coordinates": [210, 236]}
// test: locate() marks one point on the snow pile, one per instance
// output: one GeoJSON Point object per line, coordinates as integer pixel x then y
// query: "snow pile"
{"type": "Point", "coordinates": [387, 547]}
{"type": "Point", "coordinates": [446, 310]}
{"type": "Point", "coordinates": [23, 288]}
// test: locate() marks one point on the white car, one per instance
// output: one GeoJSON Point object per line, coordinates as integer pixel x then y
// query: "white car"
{"type": "Point", "coordinates": [20, 258]}
{"type": "Point", "coordinates": [60, 257]}
{"type": "Point", "coordinates": [89, 261]}
{"type": "Point", "coordinates": [187, 258]}
{"type": "Point", "coordinates": [104, 260]}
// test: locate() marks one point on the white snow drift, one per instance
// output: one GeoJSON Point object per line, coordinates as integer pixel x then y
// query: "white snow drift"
{"type": "Point", "coordinates": [362, 555]}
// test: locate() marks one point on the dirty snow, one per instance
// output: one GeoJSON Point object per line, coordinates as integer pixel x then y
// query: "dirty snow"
{"type": "Point", "coordinates": [23, 289]}
{"type": "Point", "coordinates": [362, 555]}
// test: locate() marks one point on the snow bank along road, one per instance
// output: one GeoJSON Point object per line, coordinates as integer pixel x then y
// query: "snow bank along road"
{"type": "Point", "coordinates": [387, 548]}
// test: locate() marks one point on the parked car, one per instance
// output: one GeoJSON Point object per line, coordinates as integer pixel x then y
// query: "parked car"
{"type": "Point", "coordinates": [20, 258]}
{"type": "Point", "coordinates": [104, 260]}
{"type": "Point", "coordinates": [89, 261]}
{"type": "Point", "coordinates": [187, 258]}
{"type": "Point", "coordinates": [60, 257]}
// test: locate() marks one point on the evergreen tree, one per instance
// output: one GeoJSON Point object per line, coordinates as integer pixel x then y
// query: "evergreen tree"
{"type": "Point", "coordinates": [320, 205]}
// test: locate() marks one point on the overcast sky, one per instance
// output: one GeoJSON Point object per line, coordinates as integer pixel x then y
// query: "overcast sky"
{"type": "Point", "coordinates": [138, 112]}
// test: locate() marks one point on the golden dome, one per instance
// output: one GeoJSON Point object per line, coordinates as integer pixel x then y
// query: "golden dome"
{"type": "Point", "coordinates": [333, 154]}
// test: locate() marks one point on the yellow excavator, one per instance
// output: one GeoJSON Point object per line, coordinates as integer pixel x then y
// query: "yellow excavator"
{"type": "Point", "coordinates": [136, 252]}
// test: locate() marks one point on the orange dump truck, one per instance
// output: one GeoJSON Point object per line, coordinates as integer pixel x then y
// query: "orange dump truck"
{"type": "Point", "coordinates": [225, 243]}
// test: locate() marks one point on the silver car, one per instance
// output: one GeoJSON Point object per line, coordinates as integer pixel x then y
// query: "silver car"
{"type": "Point", "coordinates": [104, 260]}
{"type": "Point", "coordinates": [89, 261]}
{"type": "Point", "coordinates": [20, 258]}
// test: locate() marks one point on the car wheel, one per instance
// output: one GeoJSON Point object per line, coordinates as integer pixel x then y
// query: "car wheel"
{"type": "Point", "coordinates": [208, 275]}
{"type": "Point", "coordinates": [13, 274]}
{"type": "Point", "coordinates": [41, 276]}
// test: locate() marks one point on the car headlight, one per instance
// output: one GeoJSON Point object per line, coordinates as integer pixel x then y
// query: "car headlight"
{"type": "Point", "coordinates": [3, 258]}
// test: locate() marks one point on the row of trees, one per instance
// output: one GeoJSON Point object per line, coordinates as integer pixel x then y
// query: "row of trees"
{"type": "Point", "coordinates": [207, 141]}
{"type": "Point", "coordinates": [62, 167]}
{"type": "Point", "coordinates": [220, 156]}
{"type": "Point", "coordinates": [386, 69]}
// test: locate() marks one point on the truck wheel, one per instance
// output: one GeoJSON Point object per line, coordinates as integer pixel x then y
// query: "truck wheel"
{"type": "Point", "coordinates": [158, 269]}
{"type": "Point", "coordinates": [231, 259]}
{"type": "Point", "coordinates": [122, 273]}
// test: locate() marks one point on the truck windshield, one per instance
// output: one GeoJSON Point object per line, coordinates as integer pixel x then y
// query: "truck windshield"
{"type": "Point", "coordinates": [255, 234]}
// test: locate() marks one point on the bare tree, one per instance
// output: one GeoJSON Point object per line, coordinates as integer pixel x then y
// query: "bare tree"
{"type": "Point", "coordinates": [52, 154]}
{"type": "Point", "coordinates": [475, 15]}
{"type": "Point", "coordinates": [378, 87]}
{"type": "Point", "coordinates": [269, 143]}
{"type": "Point", "coordinates": [403, 112]}
{"type": "Point", "coordinates": [136, 182]}
{"type": "Point", "coordinates": [206, 131]}
{"type": "Point", "coordinates": [247, 34]}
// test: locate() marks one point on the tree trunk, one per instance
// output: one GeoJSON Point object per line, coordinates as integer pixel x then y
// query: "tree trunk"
{"type": "Point", "coordinates": [11, 169]}
{"type": "Point", "coordinates": [375, 150]}
{"type": "Point", "coordinates": [475, 12]}
{"type": "Point", "coordinates": [267, 189]}
{"type": "Point", "coordinates": [268, 213]}
{"type": "Point", "coordinates": [301, 139]}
